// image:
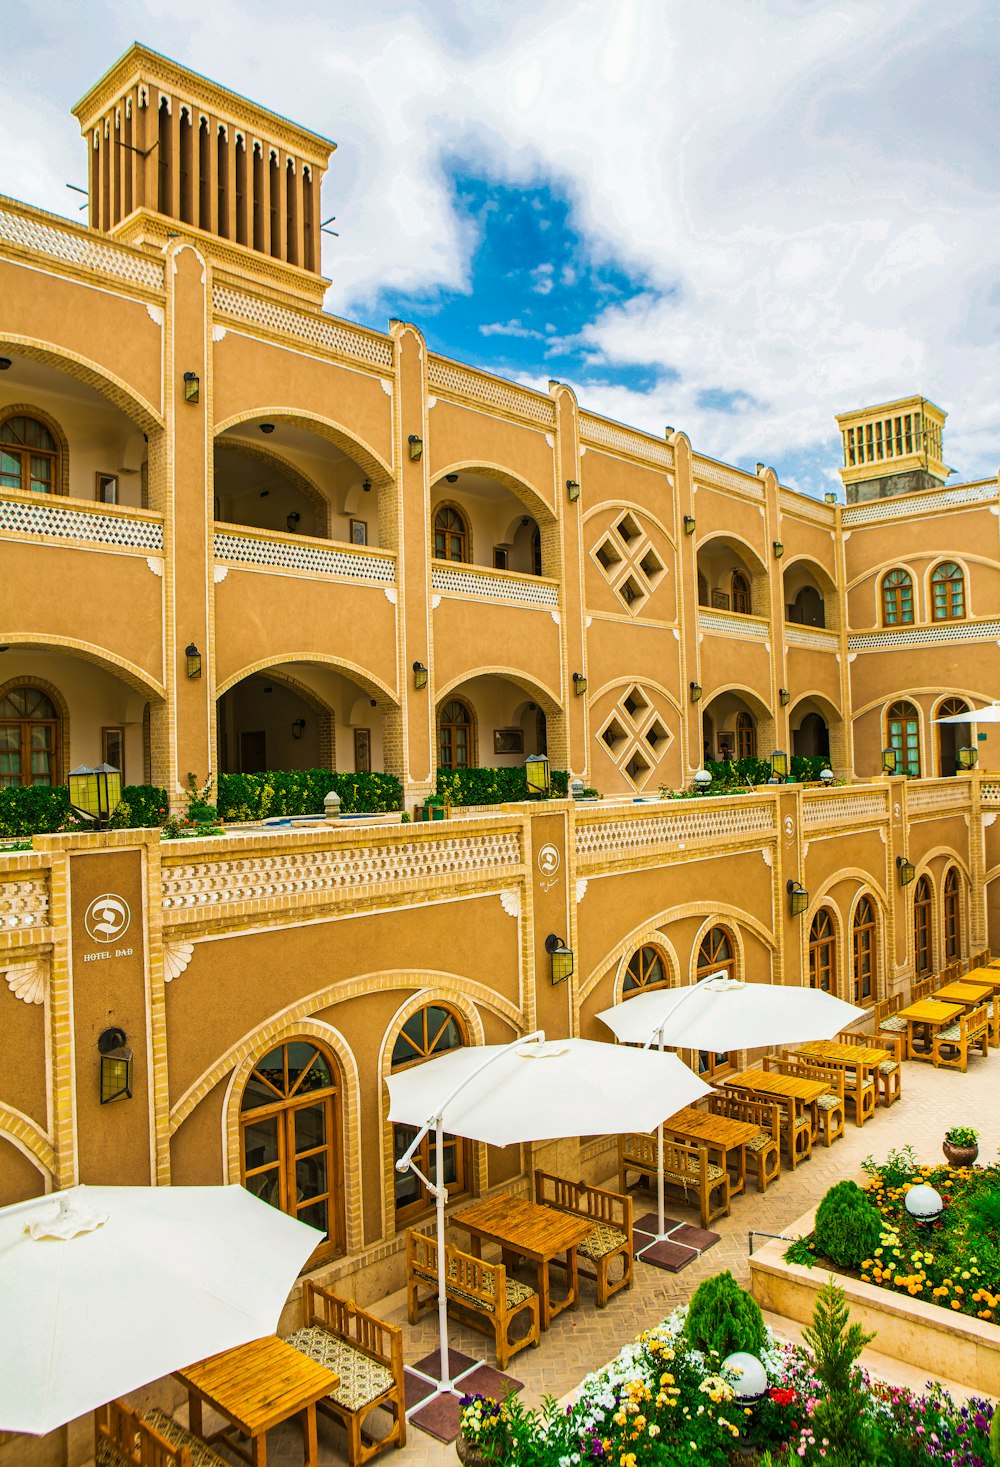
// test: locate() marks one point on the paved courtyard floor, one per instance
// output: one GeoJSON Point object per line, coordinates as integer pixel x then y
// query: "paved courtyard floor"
{"type": "Point", "coordinates": [581, 1341]}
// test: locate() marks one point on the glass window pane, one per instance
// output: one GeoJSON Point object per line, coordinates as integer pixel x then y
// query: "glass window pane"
{"type": "Point", "coordinates": [257, 1092]}
{"type": "Point", "coordinates": [310, 1127]}
{"type": "Point", "coordinates": [10, 736]}
{"type": "Point", "coordinates": [266, 1186]}
{"type": "Point", "coordinates": [317, 1216]}
{"type": "Point", "coordinates": [311, 1176]}
{"type": "Point", "coordinates": [260, 1143]}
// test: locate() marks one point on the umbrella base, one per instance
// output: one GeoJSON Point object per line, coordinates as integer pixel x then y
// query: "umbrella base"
{"type": "Point", "coordinates": [678, 1245]}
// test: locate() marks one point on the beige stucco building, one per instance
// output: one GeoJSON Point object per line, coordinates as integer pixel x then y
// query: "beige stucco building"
{"type": "Point", "coordinates": [201, 469]}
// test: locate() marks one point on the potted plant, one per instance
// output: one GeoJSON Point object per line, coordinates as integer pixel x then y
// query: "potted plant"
{"type": "Point", "coordinates": [482, 1438]}
{"type": "Point", "coordinates": [961, 1145]}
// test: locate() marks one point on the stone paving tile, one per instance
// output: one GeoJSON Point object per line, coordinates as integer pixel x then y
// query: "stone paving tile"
{"type": "Point", "coordinates": [583, 1340]}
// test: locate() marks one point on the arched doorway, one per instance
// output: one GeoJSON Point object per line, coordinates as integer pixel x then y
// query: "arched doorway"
{"type": "Point", "coordinates": [30, 739]}
{"type": "Point", "coordinates": [291, 1136]}
{"type": "Point", "coordinates": [951, 736]}
{"type": "Point", "coordinates": [811, 740]}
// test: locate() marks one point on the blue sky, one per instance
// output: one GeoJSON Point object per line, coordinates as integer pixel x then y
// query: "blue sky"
{"type": "Point", "coordinates": [738, 219]}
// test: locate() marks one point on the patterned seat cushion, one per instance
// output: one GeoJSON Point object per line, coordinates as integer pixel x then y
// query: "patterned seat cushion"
{"type": "Point", "coordinates": [362, 1379]}
{"type": "Point", "coordinates": [828, 1102]}
{"type": "Point", "coordinates": [517, 1293]}
{"type": "Point", "coordinates": [603, 1240]}
{"type": "Point", "coordinates": [894, 1024]}
{"type": "Point", "coordinates": [690, 1179]}
{"type": "Point", "coordinates": [953, 1031]}
{"type": "Point", "coordinates": [760, 1142]}
{"type": "Point", "coordinates": [202, 1455]}
{"type": "Point", "coordinates": [888, 1067]}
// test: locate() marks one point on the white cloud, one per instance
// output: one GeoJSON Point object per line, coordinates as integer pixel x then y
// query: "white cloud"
{"type": "Point", "coordinates": [810, 190]}
{"type": "Point", "coordinates": [510, 328]}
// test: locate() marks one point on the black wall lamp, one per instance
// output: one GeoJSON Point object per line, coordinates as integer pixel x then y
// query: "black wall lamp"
{"type": "Point", "coordinates": [192, 659]}
{"type": "Point", "coordinates": [267, 428]}
{"type": "Point", "coordinates": [416, 447]}
{"type": "Point", "coordinates": [192, 387]}
{"type": "Point", "coordinates": [579, 684]}
{"type": "Point", "coordinates": [5, 364]}
{"type": "Point", "coordinates": [562, 958]}
{"type": "Point", "coordinates": [784, 697]}
{"type": "Point", "coordinates": [798, 898]}
{"type": "Point", "coordinates": [116, 1066]}
{"type": "Point", "coordinates": [689, 524]}
{"type": "Point", "coordinates": [778, 549]}
{"type": "Point", "coordinates": [573, 490]}
{"type": "Point", "coordinates": [968, 757]}
{"type": "Point", "coordinates": [292, 519]}
{"type": "Point", "coordinates": [419, 675]}
{"type": "Point", "coordinates": [906, 870]}
{"type": "Point", "coordinates": [366, 487]}
{"type": "Point", "coordinates": [888, 761]}
{"type": "Point", "coordinates": [298, 728]}
{"type": "Point", "coordinates": [695, 690]}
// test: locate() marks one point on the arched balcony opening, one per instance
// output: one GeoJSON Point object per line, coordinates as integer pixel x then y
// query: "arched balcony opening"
{"type": "Point", "coordinates": [951, 736]}
{"type": "Point", "coordinates": [731, 578]}
{"type": "Point", "coordinates": [810, 596]}
{"type": "Point", "coordinates": [737, 726]}
{"type": "Point", "coordinates": [488, 722]}
{"type": "Point", "coordinates": [480, 519]}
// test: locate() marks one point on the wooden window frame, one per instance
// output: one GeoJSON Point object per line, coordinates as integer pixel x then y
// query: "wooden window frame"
{"type": "Point", "coordinates": [424, 1155]}
{"type": "Point", "coordinates": [450, 535]}
{"type": "Point", "coordinates": [864, 953]}
{"type": "Point", "coordinates": [705, 1063]}
{"type": "Point", "coordinates": [55, 749]}
{"type": "Point", "coordinates": [823, 953]}
{"type": "Point", "coordinates": [107, 488]}
{"type": "Point", "coordinates": [953, 585]}
{"type": "Point", "coordinates": [746, 736]}
{"type": "Point", "coordinates": [952, 911]}
{"type": "Point", "coordinates": [742, 600]}
{"type": "Point", "coordinates": [115, 730]}
{"type": "Point", "coordinates": [923, 928]}
{"type": "Point", "coordinates": [893, 607]}
{"type": "Point", "coordinates": [446, 737]}
{"type": "Point", "coordinates": [903, 712]}
{"type": "Point", "coordinates": [26, 453]}
{"type": "Point", "coordinates": [642, 961]}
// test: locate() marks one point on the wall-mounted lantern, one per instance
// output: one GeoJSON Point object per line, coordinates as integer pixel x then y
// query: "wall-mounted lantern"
{"type": "Point", "coordinates": [573, 490]}
{"type": "Point", "coordinates": [562, 958]}
{"type": "Point", "coordinates": [689, 524]}
{"type": "Point", "coordinates": [419, 675]}
{"type": "Point", "coordinates": [95, 793]}
{"type": "Point", "coordinates": [116, 1066]}
{"type": "Point", "coordinates": [192, 660]}
{"type": "Point", "coordinates": [298, 728]}
{"type": "Point", "coordinates": [579, 684]}
{"type": "Point", "coordinates": [888, 761]}
{"type": "Point", "coordinates": [416, 447]}
{"type": "Point", "coordinates": [798, 898]}
{"type": "Point", "coordinates": [695, 691]}
{"type": "Point", "coordinates": [537, 774]}
{"type": "Point", "coordinates": [968, 757]}
{"type": "Point", "coordinates": [784, 697]}
{"type": "Point", "coordinates": [192, 387]}
{"type": "Point", "coordinates": [778, 549]}
{"type": "Point", "coordinates": [905, 869]}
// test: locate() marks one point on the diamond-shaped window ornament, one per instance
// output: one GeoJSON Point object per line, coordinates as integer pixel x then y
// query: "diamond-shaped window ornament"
{"type": "Point", "coordinates": [636, 768]}
{"type": "Point", "coordinates": [631, 592]}
{"type": "Point", "coordinates": [656, 736]}
{"type": "Point", "coordinates": [613, 733]}
{"type": "Point", "coordinates": [634, 702]}
{"type": "Point", "coordinates": [651, 566]}
{"type": "Point", "coordinates": [628, 529]}
{"type": "Point", "coordinates": [608, 556]}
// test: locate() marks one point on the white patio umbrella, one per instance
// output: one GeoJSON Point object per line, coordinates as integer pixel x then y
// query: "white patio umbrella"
{"type": "Point", "coordinates": [105, 1289]}
{"type": "Point", "coordinates": [531, 1090]}
{"type": "Point", "coordinates": [989, 714]}
{"type": "Point", "coordinates": [719, 1013]}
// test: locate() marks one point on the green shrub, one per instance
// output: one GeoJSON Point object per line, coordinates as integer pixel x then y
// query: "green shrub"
{"type": "Point", "coordinates": [302, 791]}
{"type": "Point", "coordinates": [847, 1226]}
{"type": "Point", "coordinates": [491, 786]}
{"type": "Point", "coordinates": [40, 809]}
{"type": "Point", "coordinates": [984, 1211]}
{"type": "Point", "coordinates": [728, 773]}
{"type": "Point", "coordinates": [836, 1345]}
{"type": "Point", "coordinates": [724, 1318]}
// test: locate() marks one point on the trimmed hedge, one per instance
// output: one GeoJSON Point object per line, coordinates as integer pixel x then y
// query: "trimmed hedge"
{"type": "Point", "coordinates": [39, 809]}
{"type": "Point", "coordinates": [302, 791]}
{"type": "Point", "coordinates": [491, 786]}
{"type": "Point", "coordinates": [802, 767]}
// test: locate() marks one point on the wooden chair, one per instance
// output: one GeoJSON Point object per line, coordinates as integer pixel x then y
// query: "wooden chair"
{"type": "Point", "coordinates": [796, 1128]}
{"type": "Point", "coordinates": [971, 1031]}
{"type": "Point", "coordinates": [480, 1292]}
{"type": "Point", "coordinates": [890, 1073]}
{"type": "Point", "coordinates": [367, 1354]}
{"type": "Point", "coordinates": [887, 1019]}
{"type": "Point", "coordinates": [831, 1109]}
{"type": "Point", "coordinates": [764, 1150]}
{"type": "Point", "coordinates": [684, 1166]}
{"type": "Point", "coordinates": [920, 990]}
{"type": "Point", "coordinates": [611, 1215]}
{"type": "Point", "coordinates": [123, 1438]}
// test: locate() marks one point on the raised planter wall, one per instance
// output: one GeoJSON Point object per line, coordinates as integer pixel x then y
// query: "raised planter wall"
{"type": "Point", "coordinates": [946, 1344]}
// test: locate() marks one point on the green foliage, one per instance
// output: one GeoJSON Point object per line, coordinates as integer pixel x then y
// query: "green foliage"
{"type": "Point", "coordinates": [40, 809]}
{"type": "Point", "coordinates": [836, 1345]}
{"type": "Point", "coordinates": [847, 1226]}
{"type": "Point", "coordinates": [724, 1318]}
{"type": "Point", "coordinates": [962, 1136]}
{"type": "Point", "coordinates": [984, 1211]}
{"type": "Point", "coordinates": [801, 1251]}
{"type": "Point", "coordinates": [897, 1168]}
{"type": "Point", "coordinates": [491, 786]}
{"type": "Point", "coordinates": [731, 773]}
{"type": "Point", "coordinates": [995, 1438]}
{"type": "Point", "coordinates": [302, 791]}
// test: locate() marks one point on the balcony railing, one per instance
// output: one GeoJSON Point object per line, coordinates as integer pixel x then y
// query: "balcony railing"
{"type": "Point", "coordinates": [937, 634]}
{"type": "Point", "coordinates": [55, 518]}
{"type": "Point", "coordinates": [817, 639]}
{"type": "Point", "coordinates": [267, 550]}
{"type": "Point", "coordinates": [511, 587]}
{"type": "Point", "coordinates": [729, 624]}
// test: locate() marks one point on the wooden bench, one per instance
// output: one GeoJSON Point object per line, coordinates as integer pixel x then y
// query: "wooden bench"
{"type": "Point", "coordinates": [796, 1130]}
{"type": "Point", "coordinates": [923, 989]}
{"type": "Point", "coordinates": [367, 1355]}
{"type": "Point", "coordinates": [684, 1166]}
{"type": "Point", "coordinates": [765, 1148]}
{"type": "Point", "coordinates": [971, 1031]}
{"type": "Point", "coordinates": [831, 1108]}
{"type": "Point", "coordinates": [123, 1438]}
{"type": "Point", "coordinates": [887, 1019]}
{"type": "Point", "coordinates": [611, 1215]}
{"type": "Point", "coordinates": [480, 1292]}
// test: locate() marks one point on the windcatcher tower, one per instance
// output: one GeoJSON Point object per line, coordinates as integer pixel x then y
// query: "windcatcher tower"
{"type": "Point", "coordinates": [172, 152]}
{"type": "Point", "coordinates": [893, 448]}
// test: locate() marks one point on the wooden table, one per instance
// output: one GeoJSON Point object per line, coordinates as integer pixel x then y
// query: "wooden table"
{"type": "Point", "coordinates": [863, 1057]}
{"type": "Point", "coordinates": [928, 1015]}
{"type": "Point", "coordinates": [526, 1229]}
{"type": "Point", "coordinates": [719, 1134]}
{"type": "Point", "coordinates": [965, 992]}
{"type": "Point", "coordinates": [256, 1387]}
{"type": "Point", "coordinates": [791, 1088]}
{"type": "Point", "coordinates": [986, 977]}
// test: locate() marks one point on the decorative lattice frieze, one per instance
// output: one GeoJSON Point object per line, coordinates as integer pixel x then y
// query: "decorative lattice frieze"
{"type": "Point", "coordinates": [916, 506]}
{"type": "Point", "coordinates": [937, 794]}
{"type": "Point", "coordinates": [845, 807]}
{"type": "Point", "coordinates": [749, 628]}
{"type": "Point", "coordinates": [84, 249]}
{"type": "Point", "coordinates": [328, 332]}
{"type": "Point", "coordinates": [349, 565]}
{"type": "Point", "coordinates": [930, 636]}
{"type": "Point", "coordinates": [645, 833]}
{"type": "Point", "coordinates": [24, 902]}
{"type": "Point", "coordinates": [817, 639]}
{"type": "Point", "coordinates": [806, 508]}
{"type": "Point", "coordinates": [449, 377]}
{"type": "Point", "coordinates": [989, 792]}
{"type": "Point", "coordinates": [706, 471]}
{"type": "Point", "coordinates": [95, 527]}
{"type": "Point", "coordinates": [494, 586]}
{"type": "Point", "coordinates": [201, 886]}
{"type": "Point", "coordinates": [608, 434]}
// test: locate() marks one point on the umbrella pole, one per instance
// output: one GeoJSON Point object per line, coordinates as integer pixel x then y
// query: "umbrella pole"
{"type": "Point", "coordinates": [661, 1233]}
{"type": "Point", "coordinates": [441, 1192]}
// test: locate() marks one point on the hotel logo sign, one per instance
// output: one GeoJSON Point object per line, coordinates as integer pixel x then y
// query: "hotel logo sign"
{"type": "Point", "coordinates": [107, 918]}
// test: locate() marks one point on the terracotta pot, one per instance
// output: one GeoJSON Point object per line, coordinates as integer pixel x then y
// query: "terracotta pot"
{"type": "Point", "coordinates": [472, 1454]}
{"type": "Point", "coordinates": [959, 1155]}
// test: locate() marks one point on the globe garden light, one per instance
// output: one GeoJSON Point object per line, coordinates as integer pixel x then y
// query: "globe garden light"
{"type": "Point", "coordinates": [702, 780]}
{"type": "Point", "coordinates": [924, 1203]}
{"type": "Point", "coordinates": [827, 777]}
{"type": "Point", "coordinates": [750, 1383]}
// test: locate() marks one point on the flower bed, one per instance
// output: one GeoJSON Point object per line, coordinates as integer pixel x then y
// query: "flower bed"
{"type": "Point", "coordinates": [953, 1261]}
{"type": "Point", "coordinates": [662, 1401]}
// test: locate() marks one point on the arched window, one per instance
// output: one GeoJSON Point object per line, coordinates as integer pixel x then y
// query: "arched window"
{"type": "Point", "coordinates": [431, 1031]}
{"type": "Point", "coordinates": [291, 1129]}
{"type": "Point", "coordinates": [29, 456]}
{"type": "Point", "coordinates": [864, 953]}
{"type": "Point", "coordinates": [952, 916]}
{"type": "Point", "coordinates": [741, 593]}
{"type": "Point", "coordinates": [451, 537]}
{"type": "Point", "coordinates": [823, 952]}
{"type": "Point", "coordinates": [717, 954]}
{"type": "Point", "coordinates": [455, 736]}
{"type": "Point", "coordinates": [902, 733]}
{"type": "Point", "coordinates": [746, 736]}
{"type": "Point", "coordinates": [947, 592]}
{"type": "Point", "coordinates": [897, 598]}
{"type": "Point", "coordinates": [646, 969]}
{"type": "Point", "coordinates": [29, 739]}
{"type": "Point", "coordinates": [923, 956]}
